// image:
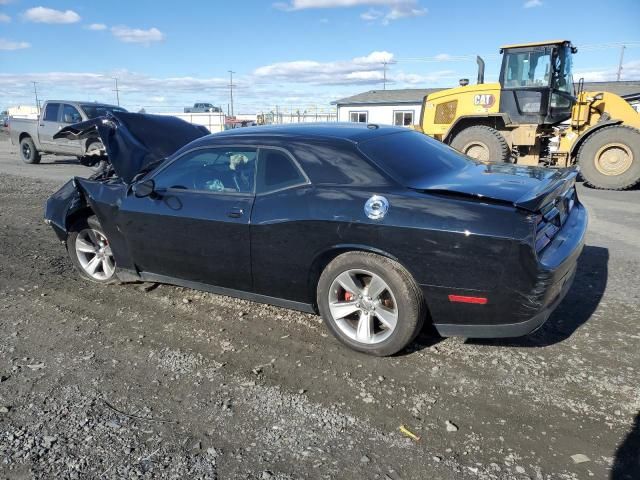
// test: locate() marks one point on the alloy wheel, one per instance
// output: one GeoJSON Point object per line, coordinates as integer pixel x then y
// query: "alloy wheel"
{"type": "Point", "coordinates": [26, 151]}
{"type": "Point", "coordinates": [94, 254]}
{"type": "Point", "coordinates": [363, 306]}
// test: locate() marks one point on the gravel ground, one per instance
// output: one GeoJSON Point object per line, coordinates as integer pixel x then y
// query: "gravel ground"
{"type": "Point", "coordinates": [154, 381]}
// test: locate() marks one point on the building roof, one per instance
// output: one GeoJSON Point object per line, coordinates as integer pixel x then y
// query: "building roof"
{"type": "Point", "coordinates": [627, 87]}
{"type": "Point", "coordinates": [416, 95]}
{"type": "Point", "coordinates": [393, 97]}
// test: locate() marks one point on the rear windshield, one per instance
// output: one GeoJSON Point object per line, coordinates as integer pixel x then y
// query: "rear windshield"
{"type": "Point", "coordinates": [410, 156]}
{"type": "Point", "coordinates": [94, 111]}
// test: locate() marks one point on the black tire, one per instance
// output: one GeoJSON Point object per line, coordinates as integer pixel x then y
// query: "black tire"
{"type": "Point", "coordinates": [479, 138]}
{"type": "Point", "coordinates": [619, 142]}
{"type": "Point", "coordinates": [28, 152]}
{"type": "Point", "coordinates": [411, 308]}
{"type": "Point", "coordinates": [75, 231]}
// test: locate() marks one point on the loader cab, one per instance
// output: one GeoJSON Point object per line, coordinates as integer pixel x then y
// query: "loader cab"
{"type": "Point", "coordinates": [537, 83]}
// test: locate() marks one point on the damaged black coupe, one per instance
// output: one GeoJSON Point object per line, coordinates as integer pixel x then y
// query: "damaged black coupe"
{"type": "Point", "coordinates": [379, 229]}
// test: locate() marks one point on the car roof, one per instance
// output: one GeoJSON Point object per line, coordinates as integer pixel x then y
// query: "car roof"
{"type": "Point", "coordinates": [74, 102]}
{"type": "Point", "coordinates": [354, 132]}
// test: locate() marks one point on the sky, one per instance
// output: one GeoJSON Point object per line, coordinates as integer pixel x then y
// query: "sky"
{"type": "Point", "coordinates": [297, 54]}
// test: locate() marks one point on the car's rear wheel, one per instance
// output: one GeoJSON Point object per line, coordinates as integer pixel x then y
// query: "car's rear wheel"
{"type": "Point", "coordinates": [90, 251]}
{"type": "Point", "coordinates": [28, 151]}
{"type": "Point", "coordinates": [370, 303]}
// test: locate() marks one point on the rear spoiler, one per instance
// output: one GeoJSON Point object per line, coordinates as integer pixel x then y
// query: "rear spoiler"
{"type": "Point", "coordinates": [549, 189]}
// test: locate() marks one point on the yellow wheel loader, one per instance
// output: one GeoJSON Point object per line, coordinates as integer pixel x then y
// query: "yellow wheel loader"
{"type": "Point", "coordinates": [535, 115]}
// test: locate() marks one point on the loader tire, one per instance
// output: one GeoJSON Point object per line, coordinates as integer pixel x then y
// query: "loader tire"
{"type": "Point", "coordinates": [482, 143]}
{"type": "Point", "coordinates": [609, 159]}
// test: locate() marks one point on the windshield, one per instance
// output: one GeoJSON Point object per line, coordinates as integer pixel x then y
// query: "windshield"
{"type": "Point", "coordinates": [409, 156]}
{"type": "Point", "coordinates": [528, 69]}
{"type": "Point", "coordinates": [94, 111]}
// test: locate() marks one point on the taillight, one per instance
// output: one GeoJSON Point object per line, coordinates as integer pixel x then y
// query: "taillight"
{"type": "Point", "coordinates": [552, 217]}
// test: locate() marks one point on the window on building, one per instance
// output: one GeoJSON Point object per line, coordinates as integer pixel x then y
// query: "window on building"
{"type": "Point", "coordinates": [403, 118]}
{"type": "Point", "coordinates": [359, 117]}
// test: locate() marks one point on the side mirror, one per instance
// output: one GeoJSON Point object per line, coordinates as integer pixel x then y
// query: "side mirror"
{"type": "Point", "coordinates": [144, 189]}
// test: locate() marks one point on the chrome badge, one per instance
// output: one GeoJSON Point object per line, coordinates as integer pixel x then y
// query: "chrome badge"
{"type": "Point", "coordinates": [376, 207]}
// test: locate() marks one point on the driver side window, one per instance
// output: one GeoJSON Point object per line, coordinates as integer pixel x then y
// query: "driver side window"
{"type": "Point", "coordinates": [211, 170]}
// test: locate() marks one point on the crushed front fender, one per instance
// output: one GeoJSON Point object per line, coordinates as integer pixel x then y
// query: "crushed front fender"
{"type": "Point", "coordinates": [62, 205]}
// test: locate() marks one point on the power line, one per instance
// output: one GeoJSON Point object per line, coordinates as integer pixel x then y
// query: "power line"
{"type": "Point", "coordinates": [462, 58]}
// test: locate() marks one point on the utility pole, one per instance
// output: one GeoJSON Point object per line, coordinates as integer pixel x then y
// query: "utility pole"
{"type": "Point", "coordinates": [384, 81]}
{"type": "Point", "coordinates": [620, 64]}
{"type": "Point", "coordinates": [231, 72]}
{"type": "Point", "coordinates": [35, 91]}
{"type": "Point", "coordinates": [117, 92]}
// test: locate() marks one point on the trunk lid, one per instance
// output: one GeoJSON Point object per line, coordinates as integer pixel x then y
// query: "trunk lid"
{"type": "Point", "coordinates": [528, 188]}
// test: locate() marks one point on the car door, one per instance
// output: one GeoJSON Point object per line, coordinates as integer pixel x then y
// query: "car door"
{"type": "Point", "coordinates": [195, 226]}
{"type": "Point", "coordinates": [48, 126]}
{"type": "Point", "coordinates": [68, 116]}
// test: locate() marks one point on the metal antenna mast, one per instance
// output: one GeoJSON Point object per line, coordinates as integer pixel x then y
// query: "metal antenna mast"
{"type": "Point", "coordinates": [117, 92]}
{"type": "Point", "coordinates": [35, 91]}
{"type": "Point", "coordinates": [231, 72]}
{"type": "Point", "coordinates": [620, 64]}
{"type": "Point", "coordinates": [384, 81]}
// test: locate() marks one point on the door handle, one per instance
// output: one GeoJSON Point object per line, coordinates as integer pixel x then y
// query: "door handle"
{"type": "Point", "coordinates": [235, 212]}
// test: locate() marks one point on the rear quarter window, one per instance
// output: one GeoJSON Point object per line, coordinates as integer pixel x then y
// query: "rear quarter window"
{"type": "Point", "coordinates": [410, 156]}
{"type": "Point", "coordinates": [51, 112]}
{"type": "Point", "coordinates": [277, 170]}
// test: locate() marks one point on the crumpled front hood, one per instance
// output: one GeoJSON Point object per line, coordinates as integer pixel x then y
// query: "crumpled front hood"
{"type": "Point", "coordinates": [525, 187]}
{"type": "Point", "coordinates": [135, 140]}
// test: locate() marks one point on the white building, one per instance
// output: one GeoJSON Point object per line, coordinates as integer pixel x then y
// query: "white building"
{"type": "Point", "coordinates": [389, 107]}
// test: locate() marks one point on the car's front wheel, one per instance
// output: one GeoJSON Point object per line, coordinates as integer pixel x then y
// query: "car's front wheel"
{"type": "Point", "coordinates": [90, 251]}
{"type": "Point", "coordinates": [370, 303]}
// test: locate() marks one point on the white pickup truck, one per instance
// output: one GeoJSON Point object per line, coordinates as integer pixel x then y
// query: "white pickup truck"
{"type": "Point", "coordinates": [35, 137]}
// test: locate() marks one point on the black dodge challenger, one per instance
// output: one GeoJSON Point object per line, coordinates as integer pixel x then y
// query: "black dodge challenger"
{"type": "Point", "coordinates": [379, 229]}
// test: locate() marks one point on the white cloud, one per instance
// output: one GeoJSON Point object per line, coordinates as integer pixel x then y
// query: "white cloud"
{"type": "Point", "coordinates": [532, 3]}
{"type": "Point", "coordinates": [4, 18]}
{"type": "Point", "coordinates": [96, 26]}
{"type": "Point", "coordinates": [396, 8]}
{"type": "Point", "coordinates": [442, 57]}
{"type": "Point", "coordinates": [49, 15]}
{"type": "Point", "coordinates": [371, 15]}
{"type": "Point", "coordinates": [9, 45]}
{"type": "Point", "coordinates": [630, 71]}
{"type": "Point", "coordinates": [137, 35]}
{"type": "Point", "coordinates": [359, 70]}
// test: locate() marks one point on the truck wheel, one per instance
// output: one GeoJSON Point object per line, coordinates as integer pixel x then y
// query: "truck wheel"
{"type": "Point", "coordinates": [28, 151]}
{"type": "Point", "coordinates": [482, 143]}
{"type": "Point", "coordinates": [610, 158]}
{"type": "Point", "coordinates": [90, 159]}
{"type": "Point", "coordinates": [370, 303]}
